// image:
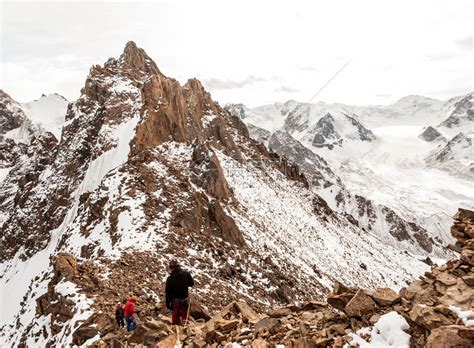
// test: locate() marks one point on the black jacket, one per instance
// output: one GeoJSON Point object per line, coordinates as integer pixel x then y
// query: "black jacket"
{"type": "Point", "coordinates": [177, 285]}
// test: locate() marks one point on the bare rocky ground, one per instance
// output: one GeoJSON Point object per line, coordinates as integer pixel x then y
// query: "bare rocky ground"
{"type": "Point", "coordinates": [426, 304]}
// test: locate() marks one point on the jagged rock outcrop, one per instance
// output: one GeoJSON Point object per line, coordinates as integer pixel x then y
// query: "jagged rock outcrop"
{"type": "Point", "coordinates": [462, 112]}
{"type": "Point", "coordinates": [431, 134]}
{"type": "Point", "coordinates": [455, 157]}
{"type": "Point", "coordinates": [11, 115]}
{"type": "Point", "coordinates": [326, 134]}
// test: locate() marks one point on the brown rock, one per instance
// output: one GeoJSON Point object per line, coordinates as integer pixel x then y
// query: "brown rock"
{"type": "Point", "coordinates": [360, 304]}
{"type": "Point", "coordinates": [82, 334]}
{"type": "Point", "coordinates": [168, 342]}
{"type": "Point", "coordinates": [198, 343]}
{"type": "Point", "coordinates": [279, 312]}
{"type": "Point", "coordinates": [339, 301]}
{"type": "Point", "coordinates": [446, 279]}
{"type": "Point", "coordinates": [429, 317]}
{"type": "Point", "coordinates": [313, 305]}
{"type": "Point", "coordinates": [267, 324]}
{"type": "Point", "coordinates": [64, 265]}
{"type": "Point", "coordinates": [259, 343]}
{"type": "Point", "coordinates": [385, 296]}
{"type": "Point", "coordinates": [225, 326]}
{"type": "Point", "coordinates": [197, 311]}
{"type": "Point", "coordinates": [374, 318]}
{"type": "Point", "coordinates": [241, 309]}
{"type": "Point", "coordinates": [452, 336]}
{"type": "Point", "coordinates": [229, 230]}
{"type": "Point", "coordinates": [339, 288]}
{"type": "Point", "coordinates": [469, 280]}
{"type": "Point", "coordinates": [304, 342]}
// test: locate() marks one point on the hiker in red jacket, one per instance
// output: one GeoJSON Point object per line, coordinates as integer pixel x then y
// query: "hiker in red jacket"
{"type": "Point", "coordinates": [130, 314]}
{"type": "Point", "coordinates": [177, 293]}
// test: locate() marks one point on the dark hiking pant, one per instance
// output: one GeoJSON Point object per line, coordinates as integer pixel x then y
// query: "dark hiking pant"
{"type": "Point", "coordinates": [180, 311]}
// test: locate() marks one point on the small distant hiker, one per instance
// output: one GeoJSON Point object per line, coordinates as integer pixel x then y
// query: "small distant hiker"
{"type": "Point", "coordinates": [119, 315]}
{"type": "Point", "coordinates": [130, 313]}
{"type": "Point", "coordinates": [177, 294]}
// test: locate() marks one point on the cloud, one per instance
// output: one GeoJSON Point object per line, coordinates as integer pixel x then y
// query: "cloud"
{"type": "Point", "coordinates": [215, 84]}
{"type": "Point", "coordinates": [287, 89]}
{"type": "Point", "coordinates": [466, 43]}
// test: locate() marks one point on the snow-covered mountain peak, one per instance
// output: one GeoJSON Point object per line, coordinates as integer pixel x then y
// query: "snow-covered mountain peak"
{"type": "Point", "coordinates": [48, 112]}
{"type": "Point", "coordinates": [415, 101]}
{"type": "Point", "coordinates": [461, 113]}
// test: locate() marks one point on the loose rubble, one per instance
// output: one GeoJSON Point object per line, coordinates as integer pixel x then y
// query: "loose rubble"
{"type": "Point", "coordinates": [426, 312]}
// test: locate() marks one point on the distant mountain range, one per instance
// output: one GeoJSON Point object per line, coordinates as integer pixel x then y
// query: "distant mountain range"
{"type": "Point", "coordinates": [404, 167]}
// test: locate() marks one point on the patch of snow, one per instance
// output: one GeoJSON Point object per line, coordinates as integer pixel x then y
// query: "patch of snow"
{"type": "Point", "coordinates": [467, 316]}
{"type": "Point", "coordinates": [100, 166]}
{"type": "Point", "coordinates": [387, 332]}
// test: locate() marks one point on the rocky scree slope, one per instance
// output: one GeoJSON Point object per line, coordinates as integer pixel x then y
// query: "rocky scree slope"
{"type": "Point", "coordinates": [434, 311]}
{"type": "Point", "coordinates": [146, 170]}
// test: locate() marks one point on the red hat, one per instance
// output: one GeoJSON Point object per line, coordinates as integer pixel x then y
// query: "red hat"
{"type": "Point", "coordinates": [173, 264]}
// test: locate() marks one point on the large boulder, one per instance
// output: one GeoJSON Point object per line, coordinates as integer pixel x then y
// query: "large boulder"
{"type": "Point", "coordinates": [84, 333]}
{"type": "Point", "coordinates": [360, 304]}
{"type": "Point", "coordinates": [64, 265]}
{"type": "Point", "coordinates": [450, 337]}
{"type": "Point", "coordinates": [385, 296]}
{"type": "Point", "coordinates": [431, 317]}
{"type": "Point", "coordinates": [340, 296]}
{"type": "Point", "coordinates": [270, 325]}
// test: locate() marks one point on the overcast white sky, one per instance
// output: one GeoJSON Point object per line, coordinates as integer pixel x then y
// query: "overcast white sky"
{"type": "Point", "coordinates": [255, 52]}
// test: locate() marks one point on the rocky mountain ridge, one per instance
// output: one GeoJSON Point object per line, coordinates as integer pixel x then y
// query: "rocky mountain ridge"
{"type": "Point", "coordinates": [146, 170]}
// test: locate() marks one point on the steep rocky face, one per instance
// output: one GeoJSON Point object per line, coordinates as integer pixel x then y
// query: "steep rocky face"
{"type": "Point", "coordinates": [325, 133]}
{"type": "Point", "coordinates": [11, 114]}
{"type": "Point", "coordinates": [364, 134]}
{"type": "Point", "coordinates": [460, 143]}
{"type": "Point", "coordinates": [457, 156]}
{"type": "Point", "coordinates": [314, 166]}
{"type": "Point", "coordinates": [259, 134]}
{"type": "Point", "coordinates": [238, 110]}
{"type": "Point", "coordinates": [462, 112]}
{"type": "Point", "coordinates": [431, 134]}
{"type": "Point", "coordinates": [26, 150]}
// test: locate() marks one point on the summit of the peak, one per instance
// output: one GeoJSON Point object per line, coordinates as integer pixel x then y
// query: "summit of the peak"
{"type": "Point", "coordinates": [136, 58]}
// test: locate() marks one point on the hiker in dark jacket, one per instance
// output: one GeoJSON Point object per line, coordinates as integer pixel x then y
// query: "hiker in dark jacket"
{"type": "Point", "coordinates": [119, 316]}
{"type": "Point", "coordinates": [177, 285]}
